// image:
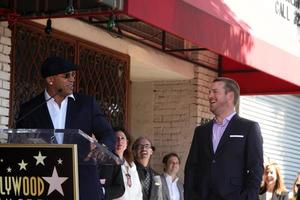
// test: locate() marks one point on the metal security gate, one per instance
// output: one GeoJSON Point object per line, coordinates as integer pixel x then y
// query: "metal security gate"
{"type": "Point", "coordinates": [103, 73]}
{"type": "Point", "coordinates": [279, 119]}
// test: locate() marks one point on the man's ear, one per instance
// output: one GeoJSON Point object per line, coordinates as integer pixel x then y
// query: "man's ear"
{"type": "Point", "coordinates": [50, 80]}
{"type": "Point", "coordinates": [231, 96]}
{"type": "Point", "coordinates": [151, 152]}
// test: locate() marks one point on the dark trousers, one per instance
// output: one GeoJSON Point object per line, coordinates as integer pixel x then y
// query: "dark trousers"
{"type": "Point", "coordinates": [89, 184]}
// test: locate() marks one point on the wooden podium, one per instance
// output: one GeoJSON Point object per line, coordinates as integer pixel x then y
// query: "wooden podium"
{"type": "Point", "coordinates": [33, 166]}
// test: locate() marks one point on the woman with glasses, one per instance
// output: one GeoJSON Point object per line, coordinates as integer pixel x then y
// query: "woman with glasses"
{"type": "Point", "coordinates": [273, 187]}
{"type": "Point", "coordinates": [133, 189]}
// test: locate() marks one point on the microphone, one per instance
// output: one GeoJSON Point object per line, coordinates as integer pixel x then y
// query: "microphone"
{"type": "Point", "coordinates": [38, 106]}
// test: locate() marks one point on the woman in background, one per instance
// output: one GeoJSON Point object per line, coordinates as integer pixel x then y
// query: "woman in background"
{"type": "Point", "coordinates": [296, 188]}
{"type": "Point", "coordinates": [133, 189]}
{"type": "Point", "coordinates": [273, 187]}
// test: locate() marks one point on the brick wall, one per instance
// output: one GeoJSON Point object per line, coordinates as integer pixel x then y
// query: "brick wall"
{"type": "Point", "coordinates": [178, 107]}
{"type": "Point", "coordinates": [173, 119]}
{"type": "Point", "coordinates": [141, 110]}
{"type": "Point", "coordinates": [203, 78]}
{"type": "Point", "coordinates": [5, 49]}
{"type": "Point", "coordinates": [167, 112]}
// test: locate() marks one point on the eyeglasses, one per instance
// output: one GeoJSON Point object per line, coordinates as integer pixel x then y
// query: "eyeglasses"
{"type": "Point", "coordinates": [128, 177]}
{"type": "Point", "coordinates": [143, 146]}
{"type": "Point", "coordinates": [69, 75]}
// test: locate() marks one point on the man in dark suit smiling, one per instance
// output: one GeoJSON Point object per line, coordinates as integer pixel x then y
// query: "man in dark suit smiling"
{"type": "Point", "coordinates": [225, 161]}
{"type": "Point", "coordinates": [57, 107]}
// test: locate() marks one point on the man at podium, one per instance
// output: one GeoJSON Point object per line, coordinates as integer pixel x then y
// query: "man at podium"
{"type": "Point", "coordinates": [57, 107]}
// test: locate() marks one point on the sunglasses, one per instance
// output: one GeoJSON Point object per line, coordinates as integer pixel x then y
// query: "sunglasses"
{"type": "Point", "coordinates": [69, 75]}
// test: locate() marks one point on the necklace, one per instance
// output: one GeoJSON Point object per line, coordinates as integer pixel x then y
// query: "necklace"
{"type": "Point", "coordinates": [128, 176]}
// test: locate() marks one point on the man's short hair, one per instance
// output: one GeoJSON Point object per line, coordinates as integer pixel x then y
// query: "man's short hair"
{"type": "Point", "coordinates": [230, 85]}
{"type": "Point", "coordinates": [168, 156]}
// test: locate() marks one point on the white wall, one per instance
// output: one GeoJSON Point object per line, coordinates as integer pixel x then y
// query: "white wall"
{"type": "Point", "coordinates": [278, 117]}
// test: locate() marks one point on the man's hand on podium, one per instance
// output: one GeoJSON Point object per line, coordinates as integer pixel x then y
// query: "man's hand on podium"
{"type": "Point", "coordinates": [96, 153]}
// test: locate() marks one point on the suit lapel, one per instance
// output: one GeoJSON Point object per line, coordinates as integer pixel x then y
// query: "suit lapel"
{"type": "Point", "coordinates": [274, 196]}
{"type": "Point", "coordinates": [165, 186]}
{"type": "Point", "coordinates": [46, 115]}
{"type": "Point", "coordinates": [209, 148]}
{"type": "Point", "coordinates": [225, 136]}
{"type": "Point", "coordinates": [43, 114]}
{"type": "Point", "coordinates": [70, 113]}
{"type": "Point", "coordinates": [154, 188]}
{"type": "Point", "coordinates": [180, 188]}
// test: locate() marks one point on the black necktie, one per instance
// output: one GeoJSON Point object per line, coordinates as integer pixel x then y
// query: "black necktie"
{"type": "Point", "coordinates": [147, 181]}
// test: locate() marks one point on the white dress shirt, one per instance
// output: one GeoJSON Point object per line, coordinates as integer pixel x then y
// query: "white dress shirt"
{"type": "Point", "coordinates": [173, 188]}
{"type": "Point", "coordinates": [134, 192]}
{"type": "Point", "coordinates": [58, 114]}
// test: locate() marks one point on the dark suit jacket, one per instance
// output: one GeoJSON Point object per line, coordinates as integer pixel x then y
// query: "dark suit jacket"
{"type": "Point", "coordinates": [234, 171]}
{"type": "Point", "coordinates": [84, 113]}
{"type": "Point", "coordinates": [165, 189]}
{"type": "Point", "coordinates": [114, 184]}
{"type": "Point", "coordinates": [156, 186]}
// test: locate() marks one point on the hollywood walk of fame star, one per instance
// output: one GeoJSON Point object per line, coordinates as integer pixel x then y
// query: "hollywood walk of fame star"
{"type": "Point", "coordinates": [60, 161]}
{"type": "Point", "coordinates": [23, 165]}
{"type": "Point", "coordinates": [40, 159]}
{"type": "Point", "coordinates": [8, 170]}
{"type": "Point", "coordinates": [55, 182]}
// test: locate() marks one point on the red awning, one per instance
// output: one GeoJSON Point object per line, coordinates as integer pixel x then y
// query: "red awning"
{"type": "Point", "coordinates": [253, 81]}
{"type": "Point", "coordinates": [259, 67]}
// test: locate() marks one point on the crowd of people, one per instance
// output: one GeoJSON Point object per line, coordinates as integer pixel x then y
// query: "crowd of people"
{"type": "Point", "coordinates": [140, 181]}
{"type": "Point", "coordinates": [225, 161]}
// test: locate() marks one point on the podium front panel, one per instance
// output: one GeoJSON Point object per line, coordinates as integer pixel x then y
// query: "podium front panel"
{"type": "Point", "coordinates": [39, 171]}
